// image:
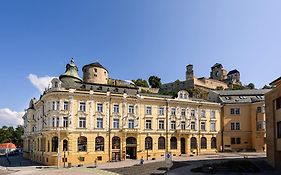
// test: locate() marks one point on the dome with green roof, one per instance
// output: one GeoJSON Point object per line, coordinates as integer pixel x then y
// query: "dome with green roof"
{"type": "Point", "coordinates": [71, 72]}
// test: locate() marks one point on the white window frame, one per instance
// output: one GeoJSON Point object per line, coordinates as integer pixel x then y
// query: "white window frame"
{"type": "Point", "coordinates": [82, 106]}
{"type": "Point", "coordinates": [161, 125]}
{"type": "Point", "coordinates": [116, 108]}
{"type": "Point", "coordinates": [148, 110]}
{"type": "Point", "coordinates": [82, 122]}
{"type": "Point", "coordinates": [161, 111]}
{"type": "Point", "coordinates": [131, 109]}
{"type": "Point", "coordinates": [100, 107]}
{"type": "Point", "coordinates": [148, 124]}
{"type": "Point", "coordinates": [99, 122]}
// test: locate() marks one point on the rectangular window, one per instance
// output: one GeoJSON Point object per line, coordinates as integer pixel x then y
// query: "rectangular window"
{"type": "Point", "coordinates": [173, 124]}
{"type": "Point", "coordinates": [232, 126]}
{"type": "Point", "coordinates": [131, 109]}
{"type": "Point", "coordinates": [56, 105]}
{"type": "Point", "coordinates": [116, 108]}
{"type": "Point", "coordinates": [232, 111]}
{"type": "Point", "coordinates": [235, 111]}
{"type": "Point", "coordinates": [148, 110]}
{"type": "Point", "coordinates": [116, 123]}
{"type": "Point", "coordinates": [131, 123]}
{"type": "Point", "coordinates": [148, 124]}
{"type": "Point", "coordinates": [99, 107]}
{"type": "Point", "coordinates": [58, 121]}
{"type": "Point", "coordinates": [65, 105]}
{"type": "Point", "coordinates": [161, 111]}
{"type": "Point", "coordinates": [173, 111]}
{"type": "Point", "coordinates": [192, 125]}
{"type": "Point", "coordinates": [54, 122]}
{"type": "Point", "coordinates": [183, 125]}
{"type": "Point", "coordinates": [82, 122]}
{"type": "Point", "coordinates": [213, 114]}
{"type": "Point", "coordinates": [237, 127]}
{"type": "Point", "coordinates": [238, 140]}
{"type": "Point", "coordinates": [278, 130]}
{"type": "Point", "coordinates": [183, 112]}
{"type": "Point", "coordinates": [82, 106]}
{"type": "Point", "coordinates": [65, 121]}
{"type": "Point", "coordinates": [99, 122]}
{"type": "Point", "coordinates": [232, 141]}
{"type": "Point", "coordinates": [259, 109]}
{"type": "Point", "coordinates": [213, 126]}
{"type": "Point", "coordinates": [192, 113]}
{"type": "Point", "coordinates": [203, 113]}
{"type": "Point", "coordinates": [161, 124]}
{"type": "Point", "coordinates": [203, 126]}
{"type": "Point", "coordinates": [278, 103]}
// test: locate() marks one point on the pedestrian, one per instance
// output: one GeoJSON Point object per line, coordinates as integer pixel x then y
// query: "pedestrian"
{"type": "Point", "coordinates": [141, 161]}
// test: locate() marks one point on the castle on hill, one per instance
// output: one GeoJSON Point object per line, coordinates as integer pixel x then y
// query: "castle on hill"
{"type": "Point", "coordinates": [219, 79]}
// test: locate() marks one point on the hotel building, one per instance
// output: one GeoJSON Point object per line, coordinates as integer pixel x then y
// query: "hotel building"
{"type": "Point", "coordinates": [81, 121]}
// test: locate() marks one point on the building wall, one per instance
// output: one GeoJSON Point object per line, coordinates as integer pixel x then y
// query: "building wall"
{"type": "Point", "coordinates": [209, 83]}
{"type": "Point", "coordinates": [273, 115]}
{"type": "Point", "coordinates": [38, 142]}
{"type": "Point", "coordinates": [250, 137]}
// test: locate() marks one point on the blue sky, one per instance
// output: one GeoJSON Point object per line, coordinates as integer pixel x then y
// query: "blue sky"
{"type": "Point", "coordinates": [134, 39]}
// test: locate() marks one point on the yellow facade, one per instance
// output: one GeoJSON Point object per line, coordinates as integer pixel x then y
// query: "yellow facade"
{"type": "Point", "coordinates": [44, 122]}
{"type": "Point", "coordinates": [273, 124]}
{"type": "Point", "coordinates": [251, 131]}
{"type": "Point", "coordinates": [243, 119]}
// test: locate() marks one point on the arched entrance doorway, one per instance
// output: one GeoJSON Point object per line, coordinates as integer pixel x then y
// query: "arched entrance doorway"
{"type": "Point", "coordinates": [131, 148]}
{"type": "Point", "coordinates": [182, 145]}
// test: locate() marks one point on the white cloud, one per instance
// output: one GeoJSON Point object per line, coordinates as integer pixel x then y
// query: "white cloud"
{"type": "Point", "coordinates": [10, 118]}
{"type": "Point", "coordinates": [40, 82]}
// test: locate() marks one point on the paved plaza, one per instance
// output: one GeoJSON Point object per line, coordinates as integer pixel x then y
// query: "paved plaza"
{"type": "Point", "coordinates": [181, 165]}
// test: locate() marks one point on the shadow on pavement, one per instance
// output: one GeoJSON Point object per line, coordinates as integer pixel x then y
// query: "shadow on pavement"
{"type": "Point", "coordinates": [17, 161]}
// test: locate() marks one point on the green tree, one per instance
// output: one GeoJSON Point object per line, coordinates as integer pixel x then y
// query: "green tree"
{"type": "Point", "coordinates": [237, 87]}
{"type": "Point", "coordinates": [9, 134]}
{"type": "Point", "coordinates": [266, 87]}
{"type": "Point", "coordinates": [154, 81]}
{"type": "Point", "coordinates": [219, 88]}
{"type": "Point", "coordinates": [18, 132]}
{"type": "Point", "coordinates": [250, 86]}
{"type": "Point", "coordinates": [140, 82]}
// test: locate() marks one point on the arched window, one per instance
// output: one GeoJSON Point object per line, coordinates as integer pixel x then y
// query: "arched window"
{"type": "Point", "coordinates": [115, 142]}
{"type": "Point", "coordinates": [82, 143]}
{"type": "Point", "coordinates": [193, 143]}
{"type": "Point", "coordinates": [65, 145]}
{"type": "Point", "coordinates": [55, 144]}
{"type": "Point", "coordinates": [161, 143]}
{"type": "Point", "coordinates": [203, 143]}
{"type": "Point", "coordinates": [148, 143]}
{"type": "Point", "coordinates": [173, 141]}
{"type": "Point", "coordinates": [131, 141]}
{"type": "Point", "coordinates": [213, 143]}
{"type": "Point", "coordinates": [99, 143]}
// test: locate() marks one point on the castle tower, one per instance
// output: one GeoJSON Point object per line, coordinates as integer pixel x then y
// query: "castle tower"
{"type": "Point", "coordinates": [218, 73]}
{"type": "Point", "coordinates": [95, 73]}
{"type": "Point", "coordinates": [189, 72]}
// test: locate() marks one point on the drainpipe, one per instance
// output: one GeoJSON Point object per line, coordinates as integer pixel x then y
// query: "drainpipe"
{"type": "Point", "coordinates": [222, 128]}
{"type": "Point", "coordinates": [109, 122]}
{"type": "Point", "coordinates": [167, 125]}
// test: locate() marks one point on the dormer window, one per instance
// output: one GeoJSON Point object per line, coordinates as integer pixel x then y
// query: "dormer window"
{"type": "Point", "coordinates": [96, 70]}
{"type": "Point", "coordinates": [182, 94]}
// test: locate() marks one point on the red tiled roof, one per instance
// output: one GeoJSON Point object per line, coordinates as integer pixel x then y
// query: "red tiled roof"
{"type": "Point", "coordinates": [8, 145]}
